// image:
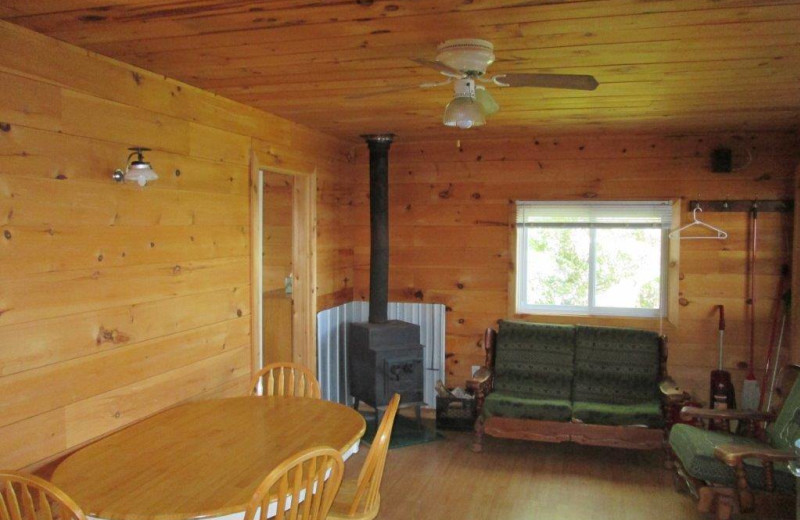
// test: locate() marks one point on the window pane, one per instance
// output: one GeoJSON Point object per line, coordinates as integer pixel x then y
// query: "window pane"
{"type": "Point", "coordinates": [558, 267]}
{"type": "Point", "coordinates": [628, 268]}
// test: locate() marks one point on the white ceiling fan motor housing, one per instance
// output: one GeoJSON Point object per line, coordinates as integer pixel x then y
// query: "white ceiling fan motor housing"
{"type": "Point", "coordinates": [468, 55]}
{"type": "Point", "coordinates": [464, 88]}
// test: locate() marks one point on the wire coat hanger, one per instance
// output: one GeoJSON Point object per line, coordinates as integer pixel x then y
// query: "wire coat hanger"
{"type": "Point", "coordinates": [720, 235]}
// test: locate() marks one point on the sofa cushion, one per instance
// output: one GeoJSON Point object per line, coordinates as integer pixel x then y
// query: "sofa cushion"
{"type": "Point", "coordinates": [638, 414]}
{"type": "Point", "coordinates": [695, 449]}
{"type": "Point", "coordinates": [534, 360]}
{"type": "Point", "coordinates": [616, 365]}
{"type": "Point", "coordinates": [505, 405]}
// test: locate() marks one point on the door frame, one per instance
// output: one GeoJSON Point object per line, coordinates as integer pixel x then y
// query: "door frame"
{"type": "Point", "coordinates": [304, 264]}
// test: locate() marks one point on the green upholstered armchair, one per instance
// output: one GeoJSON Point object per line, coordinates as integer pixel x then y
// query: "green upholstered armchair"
{"type": "Point", "coordinates": [725, 468]}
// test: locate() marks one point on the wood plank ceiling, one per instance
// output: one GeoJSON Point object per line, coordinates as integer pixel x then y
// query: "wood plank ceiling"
{"type": "Point", "coordinates": [663, 65]}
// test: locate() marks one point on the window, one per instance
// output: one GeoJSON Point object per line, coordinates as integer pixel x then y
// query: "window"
{"type": "Point", "coordinates": [603, 258]}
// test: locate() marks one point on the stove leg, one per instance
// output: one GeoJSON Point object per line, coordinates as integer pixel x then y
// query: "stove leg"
{"type": "Point", "coordinates": [355, 403]}
{"type": "Point", "coordinates": [418, 414]}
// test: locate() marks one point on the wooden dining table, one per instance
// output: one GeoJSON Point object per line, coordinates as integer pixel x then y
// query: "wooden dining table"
{"type": "Point", "coordinates": [201, 459]}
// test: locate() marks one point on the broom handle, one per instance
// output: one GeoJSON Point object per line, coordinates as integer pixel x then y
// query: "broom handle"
{"type": "Point", "coordinates": [775, 365]}
{"type": "Point", "coordinates": [777, 319]}
{"type": "Point", "coordinates": [751, 373]}
{"type": "Point", "coordinates": [721, 332]}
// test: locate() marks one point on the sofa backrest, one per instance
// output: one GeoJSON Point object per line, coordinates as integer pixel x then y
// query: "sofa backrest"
{"type": "Point", "coordinates": [616, 365]}
{"type": "Point", "coordinates": [534, 360]}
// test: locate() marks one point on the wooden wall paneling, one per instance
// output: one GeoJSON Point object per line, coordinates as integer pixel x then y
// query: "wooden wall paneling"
{"type": "Point", "coordinates": [92, 417]}
{"type": "Point", "coordinates": [45, 248]}
{"type": "Point", "coordinates": [51, 341]}
{"type": "Point", "coordinates": [31, 298]}
{"type": "Point", "coordinates": [37, 391]}
{"type": "Point", "coordinates": [450, 219]}
{"type": "Point", "coordinates": [119, 301]}
{"type": "Point", "coordinates": [335, 240]}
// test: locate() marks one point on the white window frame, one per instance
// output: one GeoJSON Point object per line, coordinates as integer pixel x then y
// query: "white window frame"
{"type": "Point", "coordinates": [662, 207]}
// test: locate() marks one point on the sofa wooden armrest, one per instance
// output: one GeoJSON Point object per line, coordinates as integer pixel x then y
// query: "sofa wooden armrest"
{"type": "Point", "coordinates": [670, 391]}
{"type": "Point", "coordinates": [750, 420]}
{"type": "Point", "coordinates": [733, 454]}
{"type": "Point", "coordinates": [482, 381]}
{"type": "Point", "coordinates": [480, 377]}
{"type": "Point", "coordinates": [693, 412]}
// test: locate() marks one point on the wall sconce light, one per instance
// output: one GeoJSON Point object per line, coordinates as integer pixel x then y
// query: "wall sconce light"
{"type": "Point", "coordinates": [138, 170]}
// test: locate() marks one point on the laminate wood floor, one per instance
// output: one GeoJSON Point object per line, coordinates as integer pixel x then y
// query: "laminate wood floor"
{"type": "Point", "coordinates": [516, 480]}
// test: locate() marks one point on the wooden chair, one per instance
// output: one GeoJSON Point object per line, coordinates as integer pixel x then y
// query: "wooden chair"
{"type": "Point", "coordinates": [722, 469]}
{"type": "Point", "coordinates": [360, 499]}
{"type": "Point", "coordinates": [301, 488]}
{"type": "Point", "coordinates": [287, 379]}
{"type": "Point", "coordinates": [26, 497]}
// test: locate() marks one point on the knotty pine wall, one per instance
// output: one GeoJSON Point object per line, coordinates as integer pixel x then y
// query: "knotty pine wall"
{"type": "Point", "coordinates": [118, 301]}
{"type": "Point", "coordinates": [450, 230]}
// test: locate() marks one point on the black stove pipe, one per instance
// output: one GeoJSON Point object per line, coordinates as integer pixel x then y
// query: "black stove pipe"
{"type": "Point", "coordinates": [378, 225]}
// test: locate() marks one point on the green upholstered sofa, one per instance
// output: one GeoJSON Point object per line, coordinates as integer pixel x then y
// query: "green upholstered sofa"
{"type": "Point", "coordinates": [590, 385]}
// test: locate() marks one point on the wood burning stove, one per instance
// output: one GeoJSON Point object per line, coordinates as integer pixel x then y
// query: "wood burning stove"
{"type": "Point", "coordinates": [384, 356]}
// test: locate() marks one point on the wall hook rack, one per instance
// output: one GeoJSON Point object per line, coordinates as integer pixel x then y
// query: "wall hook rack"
{"type": "Point", "coordinates": [743, 206]}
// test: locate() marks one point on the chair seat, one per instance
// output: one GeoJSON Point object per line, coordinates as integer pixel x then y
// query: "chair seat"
{"type": "Point", "coordinates": [345, 496]}
{"type": "Point", "coordinates": [507, 405]}
{"type": "Point", "coordinates": [639, 414]}
{"type": "Point", "coordinates": [695, 449]}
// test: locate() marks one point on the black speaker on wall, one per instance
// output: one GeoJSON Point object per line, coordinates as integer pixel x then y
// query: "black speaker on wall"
{"type": "Point", "coordinates": [722, 160]}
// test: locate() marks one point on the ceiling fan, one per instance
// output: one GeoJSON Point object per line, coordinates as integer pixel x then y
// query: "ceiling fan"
{"type": "Point", "coordinates": [464, 63]}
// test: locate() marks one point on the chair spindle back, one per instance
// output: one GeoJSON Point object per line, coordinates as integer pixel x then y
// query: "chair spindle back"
{"type": "Point", "coordinates": [301, 488]}
{"type": "Point", "coordinates": [27, 497]}
{"type": "Point", "coordinates": [286, 379]}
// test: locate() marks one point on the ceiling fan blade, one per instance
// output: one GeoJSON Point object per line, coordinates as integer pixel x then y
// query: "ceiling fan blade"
{"type": "Point", "coordinates": [441, 67]}
{"type": "Point", "coordinates": [568, 81]}
{"type": "Point", "coordinates": [486, 100]}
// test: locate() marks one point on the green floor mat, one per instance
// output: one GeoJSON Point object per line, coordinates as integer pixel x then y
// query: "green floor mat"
{"type": "Point", "coordinates": [406, 432]}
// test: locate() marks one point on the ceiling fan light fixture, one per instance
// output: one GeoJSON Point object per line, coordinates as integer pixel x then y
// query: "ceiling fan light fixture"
{"type": "Point", "coordinates": [487, 102]}
{"type": "Point", "coordinates": [464, 62]}
{"type": "Point", "coordinates": [463, 112]}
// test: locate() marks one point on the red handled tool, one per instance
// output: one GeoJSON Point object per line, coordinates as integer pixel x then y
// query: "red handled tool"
{"type": "Point", "coordinates": [722, 394]}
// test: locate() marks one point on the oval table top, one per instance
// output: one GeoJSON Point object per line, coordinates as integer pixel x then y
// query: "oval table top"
{"type": "Point", "coordinates": [200, 459]}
